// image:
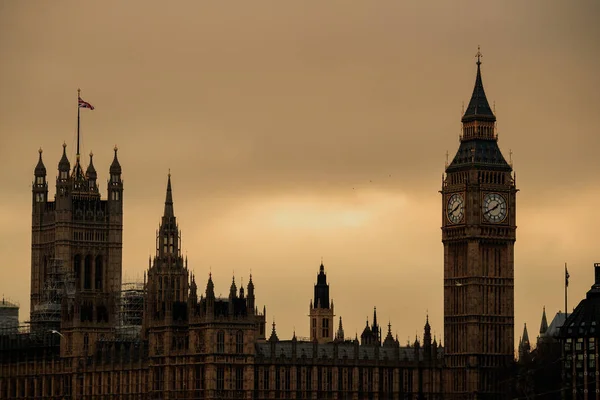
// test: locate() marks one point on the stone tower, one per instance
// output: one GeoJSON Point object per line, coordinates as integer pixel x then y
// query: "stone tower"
{"type": "Point", "coordinates": [478, 233]}
{"type": "Point", "coordinates": [321, 311]}
{"type": "Point", "coordinates": [84, 233]}
{"type": "Point", "coordinates": [168, 286]}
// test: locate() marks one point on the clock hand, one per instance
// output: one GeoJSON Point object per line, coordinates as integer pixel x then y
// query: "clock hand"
{"type": "Point", "coordinates": [492, 209]}
{"type": "Point", "coordinates": [455, 208]}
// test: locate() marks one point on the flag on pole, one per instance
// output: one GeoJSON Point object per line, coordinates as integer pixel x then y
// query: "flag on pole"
{"type": "Point", "coordinates": [85, 104]}
{"type": "Point", "coordinates": [566, 276]}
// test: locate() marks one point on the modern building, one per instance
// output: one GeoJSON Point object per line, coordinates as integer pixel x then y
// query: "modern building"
{"type": "Point", "coordinates": [92, 338]}
{"type": "Point", "coordinates": [580, 335]}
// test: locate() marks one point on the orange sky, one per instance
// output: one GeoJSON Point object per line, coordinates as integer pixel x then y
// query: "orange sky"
{"type": "Point", "coordinates": [297, 130]}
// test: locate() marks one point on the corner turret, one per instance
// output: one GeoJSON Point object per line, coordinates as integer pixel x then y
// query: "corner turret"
{"type": "Point", "coordinates": [91, 174]}
{"type": "Point", "coordinates": [115, 186]}
{"type": "Point", "coordinates": [40, 186]}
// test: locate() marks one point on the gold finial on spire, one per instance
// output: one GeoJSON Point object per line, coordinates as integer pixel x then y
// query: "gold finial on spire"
{"type": "Point", "coordinates": [463, 108]}
{"type": "Point", "coordinates": [478, 55]}
{"type": "Point", "coordinates": [78, 92]}
{"type": "Point", "coordinates": [447, 158]}
{"type": "Point", "coordinates": [64, 145]}
{"type": "Point", "coordinates": [510, 158]}
{"type": "Point", "coordinates": [116, 148]}
{"type": "Point", "coordinates": [494, 106]}
{"type": "Point", "coordinates": [40, 150]}
{"type": "Point", "coordinates": [169, 172]}
{"type": "Point", "coordinates": [91, 154]}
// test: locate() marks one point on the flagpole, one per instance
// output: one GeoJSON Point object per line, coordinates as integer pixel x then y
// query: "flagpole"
{"type": "Point", "coordinates": [78, 118]}
{"type": "Point", "coordinates": [566, 286]}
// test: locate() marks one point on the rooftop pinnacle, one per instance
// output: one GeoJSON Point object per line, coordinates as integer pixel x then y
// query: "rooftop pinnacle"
{"type": "Point", "coordinates": [479, 108]}
{"type": "Point", "coordinates": [169, 212]}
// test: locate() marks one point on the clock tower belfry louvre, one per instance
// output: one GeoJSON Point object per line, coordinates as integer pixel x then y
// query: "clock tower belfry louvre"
{"type": "Point", "coordinates": [478, 233]}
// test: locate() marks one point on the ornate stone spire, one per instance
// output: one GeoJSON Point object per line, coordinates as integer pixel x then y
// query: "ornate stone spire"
{"type": "Point", "coordinates": [169, 212]}
{"type": "Point", "coordinates": [115, 167]}
{"type": "Point", "coordinates": [544, 324]}
{"type": "Point", "coordinates": [40, 168]}
{"type": "Point", "coordinates": [478, 108]}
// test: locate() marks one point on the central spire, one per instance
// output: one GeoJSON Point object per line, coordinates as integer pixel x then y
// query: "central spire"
{"type": "Point", "coordinates": [168, 239]}
{"type": "Point", "coordinates": [479, 108]}
{"type": "Point", "coordinates": [169, 212]}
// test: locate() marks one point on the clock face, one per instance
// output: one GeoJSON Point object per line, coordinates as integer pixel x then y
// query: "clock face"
{"type": "Point", "coordinates": [494, 207]}
{"type": "Point", "coordinates": [456, 209]}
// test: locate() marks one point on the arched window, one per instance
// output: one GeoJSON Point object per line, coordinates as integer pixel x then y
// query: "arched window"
{"type": "Point", "coordinates": [86, 342]}
{"type": "Point", "coordinates": [87, 274]}
{"type": "Point", "coordinates": [99, 276]}
{"type": "Point", "coordinates": [220, 342]}
{"type": "Point", "coordinates": [160, 286]}
{"type": "Point", "coordinates": [45, 270]}
{"type": "Point", "coordinates": [77, 270]}
{"type": "Point", "coordinates": [239, 342]}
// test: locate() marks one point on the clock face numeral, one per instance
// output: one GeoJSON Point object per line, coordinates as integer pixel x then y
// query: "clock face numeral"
{"type": "Point", "coordinates": [494, 207]}
{"type": "Point", "coordinates": [455, 209]}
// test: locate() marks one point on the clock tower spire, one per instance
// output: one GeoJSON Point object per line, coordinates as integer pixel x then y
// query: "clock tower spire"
{"type": "Point", "coordinates": [478, 233]}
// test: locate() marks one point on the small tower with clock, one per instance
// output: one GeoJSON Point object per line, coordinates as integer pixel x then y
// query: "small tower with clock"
{"type": "Point", "coordinates": [478, 233]}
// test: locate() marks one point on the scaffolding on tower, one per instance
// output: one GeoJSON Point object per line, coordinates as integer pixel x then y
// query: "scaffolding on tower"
{"type": "Point", "coordinates": [131, 310]}
{"type": "Point", "coordinates": [58, 284]}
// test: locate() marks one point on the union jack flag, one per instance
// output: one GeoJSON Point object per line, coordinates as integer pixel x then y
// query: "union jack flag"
{"type": "Point", "coordinates": [85, 104]}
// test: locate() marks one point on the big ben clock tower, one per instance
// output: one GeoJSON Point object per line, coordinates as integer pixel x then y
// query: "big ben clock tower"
{"type": "Point", "coordinates": [478, 233]}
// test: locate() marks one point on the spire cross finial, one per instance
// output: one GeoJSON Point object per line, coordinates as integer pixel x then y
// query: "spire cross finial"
{"type": "Point", "coordinates": [78, 91]}
{"type": "Point", "coordinates": [478, 55]}
{"type": "Point", "coordinates": [446, 158]}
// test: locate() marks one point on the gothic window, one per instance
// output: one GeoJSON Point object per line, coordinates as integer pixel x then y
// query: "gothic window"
{"type": "Point", "coordinates": [239, 378]}
{"type": "Point", "coordinates": [287, 378]}
{"type": "Point", "coordinates": [325, 327]}
{"type": "Point", "coordinates": [220, 378]}
{"type": "Point", "coordinates": [220, 342]}
{"type": "Point", "coordinates": [69, 343]}
{"type": "Point", "coordinates": [87, 274]}
{"type": "Point", "coordinates": [266, 378]}
{"type": "Point", "coordinates": [45, 270]}
{"type": "Point", "coordinates": [86, 342]}
{"type": "Point", "coordinates": [77, 270]}
{"type": "Point", "coordinates": [239, 342]}
{"type": "Point", "coordinates": [99, 273]}
{"type": "Point", "coordinates": [198, 377]}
